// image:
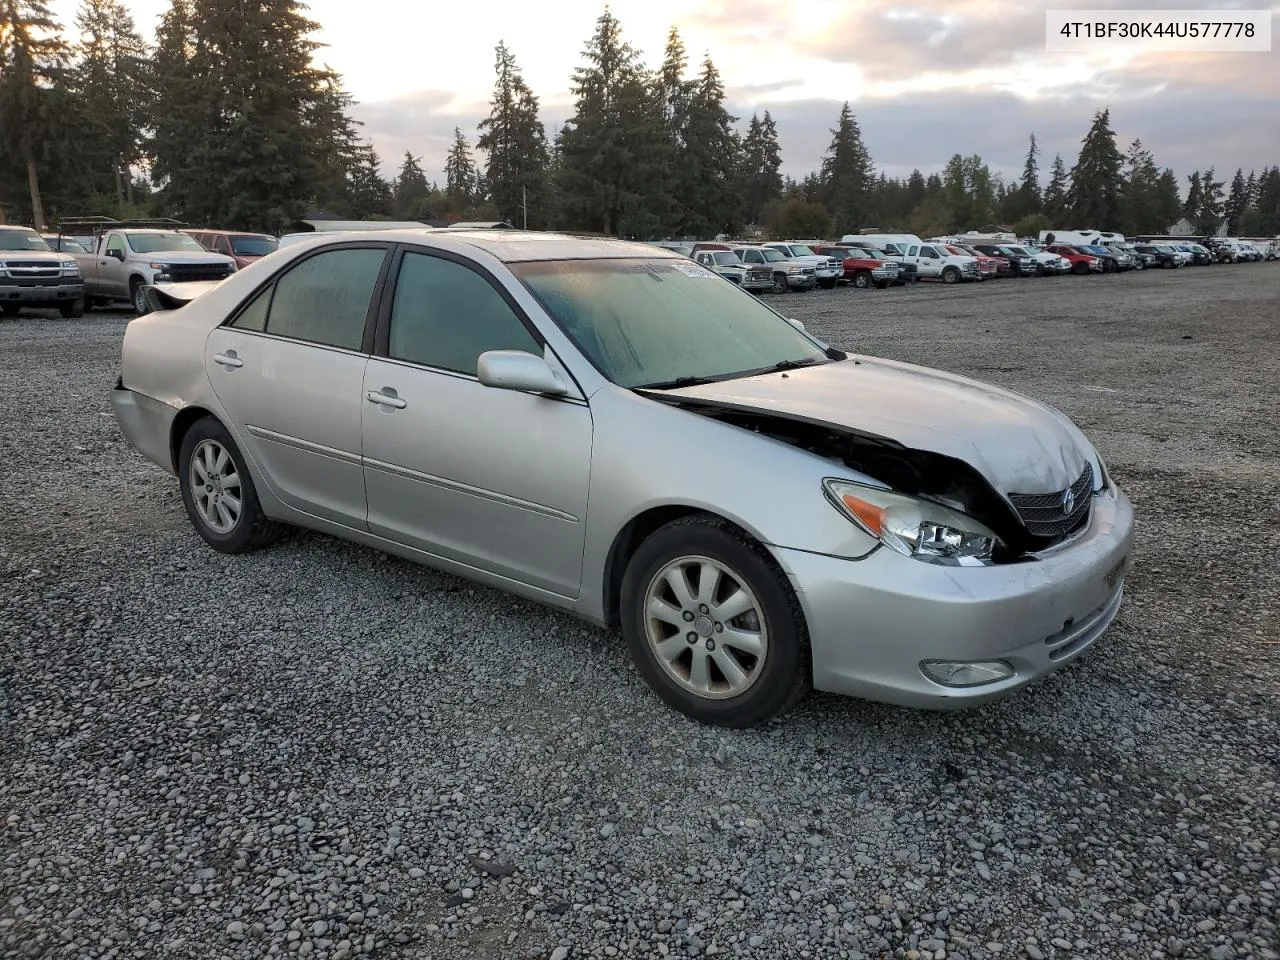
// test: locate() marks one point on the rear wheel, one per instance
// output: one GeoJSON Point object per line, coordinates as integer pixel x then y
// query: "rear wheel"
{"type": "Point", "coordinates": [862, 279]}
{"type": "Point", "coordinates": [218, 492]}
{"type": "Point", "coordinates": [713, 626]}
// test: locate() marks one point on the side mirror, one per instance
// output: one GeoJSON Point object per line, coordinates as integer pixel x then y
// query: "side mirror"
{"type": "Point", "coordinates": [116, 255]}
{"type": "Point", "coordinates": [795, 323]}
{"type": "Point", "coordinates": [517, 370]}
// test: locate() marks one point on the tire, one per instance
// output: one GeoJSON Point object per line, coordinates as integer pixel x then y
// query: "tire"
{"type": "Point", "coordinates": [137, 297]}
{"type": "Point", "coordinates": [1167, 265]}
{"type": "Point", "coordinates": [1079, 269]}
{"type": "Point", "coordinates": [73, 309]}
{"type": "Point", "coordinates": [862, 279]}
{"type": "Point", "coordinates": [9, 309]}
{"type": "Point", "coordinates": [780, 284]}
{"type": "Point", "coordinates": [829, 284]}
{"type": "Point", "coordinates": [771, 619]}
{"type": "Point", "coordinates": [951, 275]}
{"type": "Point", "coordinates": [882, 284]}
{"type": "Point", "coordinates": [200, 454]}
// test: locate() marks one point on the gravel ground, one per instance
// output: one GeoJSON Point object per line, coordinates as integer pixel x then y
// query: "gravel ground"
{"type": "Point", "coordinates": [324, 751]}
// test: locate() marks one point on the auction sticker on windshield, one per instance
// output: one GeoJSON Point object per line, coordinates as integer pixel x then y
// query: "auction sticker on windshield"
{"type": "Point", "coordinates": [694, 270]}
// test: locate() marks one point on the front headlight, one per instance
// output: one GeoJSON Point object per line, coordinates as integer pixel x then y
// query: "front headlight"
{"type": "Point", "coordinates": [920, 529]}
{"type": "Point", "coordinates": [70, 268]}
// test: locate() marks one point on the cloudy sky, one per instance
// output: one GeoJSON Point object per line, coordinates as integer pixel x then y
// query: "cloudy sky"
{"type": "Point", "coordinates": [926, 78]}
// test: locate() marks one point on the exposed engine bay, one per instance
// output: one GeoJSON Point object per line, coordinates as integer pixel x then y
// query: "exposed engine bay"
{"type": "Point", "coordinates": [919, 473]}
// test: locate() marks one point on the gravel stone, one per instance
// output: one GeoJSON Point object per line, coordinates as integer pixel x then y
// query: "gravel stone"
{"type": "Point", "coordinates": [318, 750]}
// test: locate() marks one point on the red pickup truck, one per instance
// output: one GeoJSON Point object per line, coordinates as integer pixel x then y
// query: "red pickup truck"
{"type": "Point", "coordinates": [1081, 263]}
{"type": "Point", "coordinates": [859, 269]}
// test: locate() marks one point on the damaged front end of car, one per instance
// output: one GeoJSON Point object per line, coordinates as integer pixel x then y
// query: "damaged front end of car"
{"type": "Point", "coordinates": [920, 503]}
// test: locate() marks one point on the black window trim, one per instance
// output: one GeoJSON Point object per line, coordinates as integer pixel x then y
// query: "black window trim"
{"type": "Point", "coordinates": [381, 346]}
{"type": "Point", "coordinates": [268, 286]}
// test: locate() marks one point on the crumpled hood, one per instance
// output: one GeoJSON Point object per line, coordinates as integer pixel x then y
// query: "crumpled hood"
{"type": "Point", "coordinates": [1016, 443]}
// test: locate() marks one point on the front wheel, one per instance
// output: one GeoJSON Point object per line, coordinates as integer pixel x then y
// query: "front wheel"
{"type": "Point", "coordinates": [9, 309]}
{"type": "Point", "coordinates": [1080, 269]}
{"type": "Point", "coordinates": [780, 283]}
{"type": "Point", "coordinates": [862, 279]}
{"type": "Point", "coordinates": [828, 284]}
{"type": "Point", "coordinates": [713, 626]}
{"type": "Point", "coordinates": [138, 295]}
{"type": "Point", "coordinates": [73, 308]}
{"type": "Point", "coordinates": [951, 275]}
{"type": "Point", "coordinates": [218, 492]}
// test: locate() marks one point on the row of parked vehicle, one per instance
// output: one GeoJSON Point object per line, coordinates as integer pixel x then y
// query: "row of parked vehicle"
{"type": "Point", "coordinates": [97, 261]}
{"type": "Point", "coordinates": [881, 260]}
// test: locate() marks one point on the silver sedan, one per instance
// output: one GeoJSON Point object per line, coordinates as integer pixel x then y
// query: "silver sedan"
{"type": "Point", "coordinates": [620, 433]}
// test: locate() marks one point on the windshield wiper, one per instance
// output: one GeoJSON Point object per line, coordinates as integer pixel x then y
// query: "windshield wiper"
{"type": "Point", "coordinates": [677, 382]}
{"type": "Point", "coordinates": [795, 364]}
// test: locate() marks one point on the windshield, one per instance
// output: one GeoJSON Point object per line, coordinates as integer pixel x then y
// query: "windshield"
{"type": "Point", "coordinates": [800, 250]}
{"type": "Point", "coordinates": [726, 259]}
{"type": "Point", "coordinates": [21, 240]}
{"type": "Point", "coordinates": [1164, 248]}
{"type": "Point", "coordinates": [1094, 249]}
{"type": "Point", "coordinates": [68, 245]}
{"type": "Point", "coordinates": [650, 322]}
{"type": "Point", "coordinates": [253, 246]}
{"type": "Point", "coordinates": [772, 255]}
{"type": "Point", "coordinates": [163, 242]}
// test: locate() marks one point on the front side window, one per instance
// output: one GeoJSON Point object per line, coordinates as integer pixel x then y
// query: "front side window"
{"type": "Point", "coordinates": [325, 299]}
{"type": "Point", "coordinates": [655, 322]}
{"type": "Point", "coordinates": [445, 315]}
{"type": "Point", "coordinates": [115, 244]}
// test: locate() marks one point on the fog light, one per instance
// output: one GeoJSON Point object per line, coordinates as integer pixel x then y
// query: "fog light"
{"type": "Point", "coordinates": [951, 673]}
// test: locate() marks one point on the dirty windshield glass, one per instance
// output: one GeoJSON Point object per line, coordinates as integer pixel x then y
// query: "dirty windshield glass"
{"type": "Point", "coordinates": [253, 246]}
{"type": "Point", "coordinates": [648, 322]}
{"type": "Point", "coordinates": [21, 240]}
{"type": "Point", "coordinates": [163, 242]}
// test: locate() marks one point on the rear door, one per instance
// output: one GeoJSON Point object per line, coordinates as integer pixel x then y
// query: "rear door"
{"type": "Point", "coordinates": [289, 370]}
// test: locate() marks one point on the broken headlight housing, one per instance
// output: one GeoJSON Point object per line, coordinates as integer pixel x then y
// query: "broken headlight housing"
{"type": "Point", "coordinates": [920, 529]}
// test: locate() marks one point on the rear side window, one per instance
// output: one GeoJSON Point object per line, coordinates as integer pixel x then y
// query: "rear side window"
{"type": "Point", "coordinates": [325, 299]}
{"type": "Point", "coordinates": [445, 315]}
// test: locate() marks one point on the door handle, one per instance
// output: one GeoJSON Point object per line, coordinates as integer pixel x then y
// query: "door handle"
{"type": "Point", "coordinates": [228, 360]}
{"type": "Point", "coordinates": [385, 399]}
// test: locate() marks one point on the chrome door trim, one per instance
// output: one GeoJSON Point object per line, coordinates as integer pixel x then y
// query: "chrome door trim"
{"type": "Point", "coordinates": [407, 474]}
{"type": "Point", "coordinates": [262, 433]}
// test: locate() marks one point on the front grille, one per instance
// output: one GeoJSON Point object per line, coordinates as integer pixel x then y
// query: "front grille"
{"type": "Point", "coordinates": [190, 272]}
{"type": "Point", "coordinates": [50, 281]}
{"type": "Point", "coordinates": [761, 274]}
{"type": "Point", "coordinates": [1043, 514]}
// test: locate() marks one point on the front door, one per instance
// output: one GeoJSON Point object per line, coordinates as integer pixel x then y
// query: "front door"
{"type": "Point", "coordinates": [496, 479]}
{"type": "Point", "coordinates": [289, 370]}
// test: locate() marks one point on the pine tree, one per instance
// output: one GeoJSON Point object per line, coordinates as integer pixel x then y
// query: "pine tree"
{"type": "Point", "coordinates": [1138, 199]}
{"type": "Point", "coordinates": [710, 158]}
{"type": "Point", "coordinates": [1168, 202]}
{"type": "Point", "coordinates": [110, 72]}
{"type": "Point", "coordinates": [246, 128]}
{"type": "Point", "coordinates": [916, 189]}
{"type": "Point", "coordinates": [515, 142]}
{"type": "Point", "coordinates": [1027, 200]}
{"type": "Point", "coordinates": [1195, 197]}
{"type": "Point", "coordinates": [847, 175]}
{"type": "Point", "coordinates": [1054, 202]}
{"type": "Point", "coordinates": [32, 60]}
{"type": "Point", "coordinates": [607, 148]}
{"type": "Point", "coordinates": [1208, 217]}
{"type": "Point", "coordinates": [411, 193]}
{"type": "Point", "coordinates": [1237, 202]}
{"type": "Point", "coordinates": [461, 178]}
{"type": "Point", "coordinates": [761, 182]}
{"type": "Point", "coordinates": [369, 192]}
{"type": "Point", "coordinates": [1094, 197]}
{"type": "Point", "coordinates": [1267, 206]}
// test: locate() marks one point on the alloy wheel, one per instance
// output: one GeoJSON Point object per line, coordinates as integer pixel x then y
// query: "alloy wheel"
{"type": "Point", "coordinates": [215, 486]}
{"type": "Point", "coordinates": [705, 627]}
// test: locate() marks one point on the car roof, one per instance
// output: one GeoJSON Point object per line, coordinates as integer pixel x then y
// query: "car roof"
{"type": "Point", "coordinates": [16, 227]}
{"type": "Point", "coordinates": [226, 233]}
{"type": "Point", "coordinates": [516, 246]}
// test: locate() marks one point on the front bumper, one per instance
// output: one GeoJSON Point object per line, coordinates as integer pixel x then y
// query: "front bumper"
{"type": "Point", "coordinates": [801, 281]}
{"type": "Point", "coordinates": [146, 423]}
{"type": "Point", "coordinates": [873, 621]}
{"type": "Point", "coordinates": [44, 291]}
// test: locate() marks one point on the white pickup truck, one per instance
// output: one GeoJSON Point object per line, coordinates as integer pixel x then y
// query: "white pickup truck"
{"type": "Point", "coordinates": [933, 261]}
{"type": "Point", "coordinates": [128, 259]}
{"type": "Point", "coordinates": [827, 271]}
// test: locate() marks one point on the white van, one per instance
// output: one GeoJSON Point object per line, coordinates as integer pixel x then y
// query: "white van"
{"type": "Point", "coordinates": [932, 260]}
